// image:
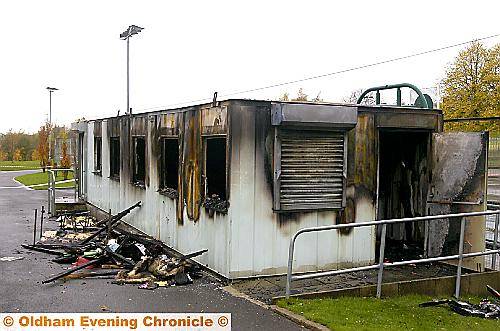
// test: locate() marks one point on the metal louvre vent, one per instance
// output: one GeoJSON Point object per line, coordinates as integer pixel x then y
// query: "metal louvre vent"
{"type": "Point", "coordinates": [311, 171]}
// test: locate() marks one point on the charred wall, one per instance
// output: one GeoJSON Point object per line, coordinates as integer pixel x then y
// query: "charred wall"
{"type": "Point", "coordinates": [362, 160]}
{"type": "Point", "coordinates": [248, 238]}
{"type": "Point", "coordinates": [458, 184]}
{"type": "Point", "coordinates": [191, 127]}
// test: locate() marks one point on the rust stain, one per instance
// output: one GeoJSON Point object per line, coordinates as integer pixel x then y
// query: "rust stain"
{"type": "Point", "coordinates": [365, 153]}
{"type": "Point", "coordinates": [191, 165]}
{"type": "Point", "coordinates": [361, 168]}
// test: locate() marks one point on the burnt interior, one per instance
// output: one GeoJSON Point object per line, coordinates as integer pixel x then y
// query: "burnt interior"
{"type": "Point", "coordinates": [139, 174]}
{"type": "Point", "coordinates": [98, 154]}
{"type": "Point", "coordinates": [215, 168]}
{"type": "Point", "coordinates": [403, 182]}
{"type": "Point", "coordinates": [169, 164]}
{"type": "Point", "coordinates": [114, 157]}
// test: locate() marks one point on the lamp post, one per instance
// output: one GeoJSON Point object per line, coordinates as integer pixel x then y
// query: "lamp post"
{"type": "Point", "coordinates": [125, 35]}
{"type": "Point", "coordinates": [50, 89]}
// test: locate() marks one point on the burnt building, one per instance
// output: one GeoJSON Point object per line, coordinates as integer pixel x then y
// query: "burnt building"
{"type": "Point", "coordinates": [240, 177]}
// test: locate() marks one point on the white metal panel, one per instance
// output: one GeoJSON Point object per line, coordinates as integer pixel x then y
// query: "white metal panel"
{"type": "Point", "coordinates": [157, 216]}
{"type": "Point", "coordinates": [266, 240]}
{"type": "Point", "coordinates": [242, 192]}
{"type": "Point", "coordinates": [251, 239]}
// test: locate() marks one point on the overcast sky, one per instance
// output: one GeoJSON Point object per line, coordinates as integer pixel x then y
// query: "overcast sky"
{"type": "Point", "coordinates": [189, 49]}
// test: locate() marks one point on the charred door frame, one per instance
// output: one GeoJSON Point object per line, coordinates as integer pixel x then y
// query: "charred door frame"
{"type": "Point", "coordinates": [82, 181]}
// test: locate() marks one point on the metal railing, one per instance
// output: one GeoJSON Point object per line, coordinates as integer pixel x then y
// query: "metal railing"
{"type": "Point", "coordinates": [51, 188]}
{"type": "Point", "coordinates": [494, 144]}
{"type": "Point", "coordinates": [381, 264]}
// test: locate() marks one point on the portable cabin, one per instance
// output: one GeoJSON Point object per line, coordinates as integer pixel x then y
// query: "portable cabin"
{"type": "Point", "coordinates": [240, 177]}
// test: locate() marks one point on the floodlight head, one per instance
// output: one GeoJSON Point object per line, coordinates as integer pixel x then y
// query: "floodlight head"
{"type": "Point", "coordinates": [131, 30]}
{"type": "Point", "coordinates": [51, 89]}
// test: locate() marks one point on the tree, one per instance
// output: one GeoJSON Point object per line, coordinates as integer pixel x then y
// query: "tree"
{"type": "Point", "coordinates": [65, 158]}
{"type": "Point", "coordinates": [317, 98]}
{"type": "Point", "coordinates": [284, 97]}
{"type": "Point", "coordinates": [301, 96]}
{"type": "Point", "coordinates": [471, 87]}
{"type": "Point", "coordinates": [17, 155]}
{"type": "Point", "coordinates": [353, 98]}
{"type": "Point", "coordinates": [43, 145]}
{"type": "Point", "coordinates": [9, 142]}
{"type": "Point", "coordinates": [12, 140]}
{"type": "Point", "coordinates": [35, 156]}
{"type": "Point", "coordinates": [3, 155]}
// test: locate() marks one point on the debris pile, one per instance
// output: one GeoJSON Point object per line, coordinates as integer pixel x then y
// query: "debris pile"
{"type": "Point", "coordinates": [104, 249]}
{"type": "Point", "coordinates": [485, 309]}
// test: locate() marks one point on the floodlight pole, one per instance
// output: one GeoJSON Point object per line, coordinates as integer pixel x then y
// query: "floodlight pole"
{"type": "Point", "coordinates": [50, 126]}
{"type": "Point", "coordinates": [131, 30]}
{"type": "Point", "coordinates": [128, 76]}
{"type": "Point", "coordinates": [50, 89]}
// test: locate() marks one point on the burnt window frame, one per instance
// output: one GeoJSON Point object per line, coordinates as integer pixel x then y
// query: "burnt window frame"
{"type": "Point", "coordinates": [98, 155]}
{"type": "Point", "coordinates": [223, 203]}
{"type": "Point", "coordinates": [114, 163]}
{"type": "Point", "coordinates": [164, 187]}
{"type": "Point", "coordinates": [139, 182]}
{"type": "Point", "coordinates": [277, 155]}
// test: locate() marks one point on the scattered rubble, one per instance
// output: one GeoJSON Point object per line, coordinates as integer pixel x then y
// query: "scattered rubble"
{"type": "Point", "coordinates": [11, 258]}
{"type": "Point", "coordinates": [104, 249]}
{"type": "Point", "coordinates": [485, 309]}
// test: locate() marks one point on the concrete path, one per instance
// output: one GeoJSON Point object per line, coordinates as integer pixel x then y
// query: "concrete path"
{"type": "Point", "coordinates": [21, 289]}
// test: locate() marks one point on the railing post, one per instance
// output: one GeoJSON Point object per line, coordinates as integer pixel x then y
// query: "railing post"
{"type": "Point", "coordinates": [426, 239]}
{"type": "Point", "coordinates": [54, 176]}
{"type": "Point", "coordinates": [290, 265]}
{"type": "Point", "coordinates": [53, 190]}
{"type": "Point", "coordinates": [75, 187]}
{"type": "Point", "coordinates": [380, 266]}
{"type": "Point", "coordinates": [34, 228]}
{"type": "Point", "coordinates": [460, 257]}
{"type": "Point", "coordinates": [49, 211]}
{"type": "Point", "coordinates": [495, 239]}
{"type": "Point", "coordinates": [381, 261]}
{"type": "Point", "coordinates": [51, 193]}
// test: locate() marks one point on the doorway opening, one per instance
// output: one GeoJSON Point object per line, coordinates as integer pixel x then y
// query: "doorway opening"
{"type": "Point", "coordinates": [403, 182]}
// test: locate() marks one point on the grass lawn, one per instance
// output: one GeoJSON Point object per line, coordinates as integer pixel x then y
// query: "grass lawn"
{"type": "Point", "coordinates": [399, 313]}
{"type": "Point", "coordinates": [42, 178]}
{"type": "Point", "coordinates": [19, 165]}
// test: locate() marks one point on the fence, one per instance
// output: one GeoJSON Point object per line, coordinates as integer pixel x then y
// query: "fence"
{"type": "Point", "coordinates": [494, 156]}
{"type": "Point", "coordinates": [490, 236]}
{"type": "Point", "coordinates": [380, 266]}
{"type": "Point", "coordinates": [494, 144]}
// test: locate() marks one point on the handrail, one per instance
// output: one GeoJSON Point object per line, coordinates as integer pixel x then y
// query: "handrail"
{"type": "Point", "coordinates": [382, 264]}
{"type": "Point", "coordinates": [51, 188]}
{"type": "Point", "coordinates": [393, 86]}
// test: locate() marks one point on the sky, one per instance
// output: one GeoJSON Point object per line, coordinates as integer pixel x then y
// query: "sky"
{"type": "Point", "coordinates": [190, 49]}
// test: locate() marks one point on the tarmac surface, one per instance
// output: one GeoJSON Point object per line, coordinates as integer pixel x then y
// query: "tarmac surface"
{"type": "Point", "coordinates": [21, 289]}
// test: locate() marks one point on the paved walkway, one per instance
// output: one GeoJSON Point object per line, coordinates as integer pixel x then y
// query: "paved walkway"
{"type": "Point", "coordinates": [21, 289]}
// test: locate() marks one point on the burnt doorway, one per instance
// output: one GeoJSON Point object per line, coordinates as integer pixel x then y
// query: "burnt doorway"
{"type": "Point", "coordinates": [402, 189]}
